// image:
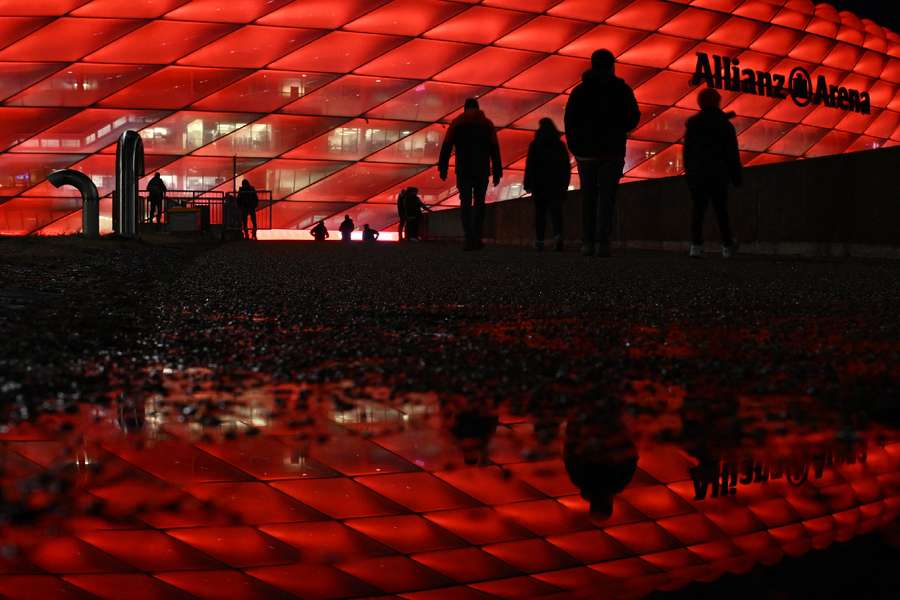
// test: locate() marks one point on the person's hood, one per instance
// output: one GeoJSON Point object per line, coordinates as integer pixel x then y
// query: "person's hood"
{"type": "Point", "coordinates": [471, 116]}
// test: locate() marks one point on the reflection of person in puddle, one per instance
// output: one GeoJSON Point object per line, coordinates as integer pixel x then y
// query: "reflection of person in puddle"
{"type": "Point", "coordinates": [600, 458]}
{"type": "Point", "coordinates": [473, 429]}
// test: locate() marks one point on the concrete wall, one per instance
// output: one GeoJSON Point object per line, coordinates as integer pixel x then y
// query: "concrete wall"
{"type": "Point", "coordinates": [837, 205]}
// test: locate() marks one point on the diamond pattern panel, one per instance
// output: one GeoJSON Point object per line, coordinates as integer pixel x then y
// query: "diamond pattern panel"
{"type": "Point", "coordinates": [75, 73]}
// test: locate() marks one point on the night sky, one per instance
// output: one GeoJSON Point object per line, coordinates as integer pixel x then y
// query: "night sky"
{"type": "Point", "coordinates": [883, 12]}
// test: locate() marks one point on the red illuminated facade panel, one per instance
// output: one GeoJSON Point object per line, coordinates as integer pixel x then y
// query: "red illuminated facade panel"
{"type": "Point", "coordinates": [340, 103]}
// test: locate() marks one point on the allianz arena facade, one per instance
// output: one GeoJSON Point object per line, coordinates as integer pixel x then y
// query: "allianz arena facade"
{"type": "Point", "coordinates": [336, 105]}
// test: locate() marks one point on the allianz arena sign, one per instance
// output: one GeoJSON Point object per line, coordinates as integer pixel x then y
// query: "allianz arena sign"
{"type": "Point", "coordinates": [722, 72]}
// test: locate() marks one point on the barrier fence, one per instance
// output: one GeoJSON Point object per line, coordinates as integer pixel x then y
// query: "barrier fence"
{"type": "Point", "coordinates": [219, 208]}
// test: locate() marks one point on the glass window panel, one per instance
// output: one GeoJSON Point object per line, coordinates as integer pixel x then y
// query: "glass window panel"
{"type": "Point", "coordinates": [160, 42]}
{"type": "Point", "coordinates": [89, 131]}
{"type": "Point", "coordinates": [253, 46]}
{"type": "Point", "coordinates": [489, 66]}
{"type": "Point", "coordinates": [431, 189]}
{"type": "Point", "coordinates": [270, 136]}
{"type": "Point", "coordinates": [513, 144]}
{"type": "Point", "coordinates": [15, 28]}
{"type": "Point", "coordinates": [200, 173]}
{"type": "Point", "coordinates": [738, 32]}
{"type": "Point", "coordinates": [544, 34]}
{"type": "Point", "coordinates": [81, 84]}
{"type": "Point", "coordinates": [418, 59]}
{"type": "Point", "coordinates": [503, 106]}
{"type": "Point", "coordinates": [823, 116]}
{"type": "Point", "coordinates": [614, 39]}
{"type": "Point", "coordinates": [798, 140]}
{"type": "Point", "coordinates": [656, 51]}
{"type": "Point", "coordinates": [822, 27]}
{"type": "Point", "coordinates": [71, 223]}
{"type": "Point", "coordinates": [303, 215]}
{"type": "Point", "coordinates": [637, 152]}
{"type": "Point", "coordinates": [18, 76]}
{"type": "Point", "coordinates": [67, 39]}
{"type": "Point", "coordinates": [355, 140]}
{"type": "Point", "coordinates": [667, 163]}
{"type": "Point", "coordinates": [284, 177]}
{"type": "Point", "coordinates": [761, 135]}
{"type": "Point", "coordinates": [536, 6]}
{"type": "Point", "coordinates": [428, 101]}
{"type": "Point", "coordinates": [855, 122]}
{"type": "Point", "coordinates": [235, 11]}
{"type": "Point", "coordinates": [590, 10]}
{"type": "Point", "coordinates": [553, 74]}
{"type": "Point", "coordinates": [645, 14]}
{"type": "Point", "coordinates": [379, 217]}
{"type": "Point", "coordinates": [22, 216]}
{"type": "Point", "coordinates": [174, 87]}
{"type": "Point", "coordinates": [688, 62]}
{"type": "Point", "coordinates": [843, 56]}
{"type": "Point", "coordinates": [186, 131]}
{"type": "Point", "coordinates": [510, 187]}
{"type": "Point", "coordinates": [693, 23]}
{"type": "Point", "coordinates": [667, 127]}
{"type": "Point", "coordinates": [357, 182]}
{"type": "Point", "coordinates": [865, 142]}
{"type": "Point", "coordinates": [812, 48]}
{"type": "Point", "coordinates": [338, 52]}
{"type": "Point", "coordinates": [52, 8]}
{"type": "Point", "coordinates": [555, 109]}
{"type": "Point", "coordinates": [748, 105]}
{"type": "Point", "coordinates": [350, 96]}
{"type": "Point", "coordinates": [136, 9]}
{"type": "Point", "coordinates": [850, 35]}
{"type": "Point", "coordinates": [791, 18]}
{"type": "Point", "coordinates": [789, 111]}
{"type": "Point", "coordinates": [321, 14]}
{"type": "Point", "coordinates": [100, 168]}
{"type": "Point", "coordinates": [422, 147]}
{"type": "Point", "coordinates": [665, 89]}
{"type": "Point", "coordinates": [406, 17]}
{"type": "Point", "coordinates": [761, 10]}
{"type": "Point", "coordinates": [19, 172]}
{"type": "Point", "coordinates": [776, 40]}
{"type": "Point", "coordinates": [19, 124]}
{"type": "Point", "coordinates": [265, 91]}
{"type": "Point", "coordinates": [884, 124]}
{"type": "Point", "coordinates": [478, 25]}
{"type": "Point", "coordinates": [871, 64]}
{"type": "Point", "coordinates": [767, 159]}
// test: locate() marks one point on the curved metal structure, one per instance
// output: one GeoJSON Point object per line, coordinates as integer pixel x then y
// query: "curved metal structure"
{"type": "Point", "coordinates": [129, 170]}
{"type": "Point", "coordinates": [90, 214]}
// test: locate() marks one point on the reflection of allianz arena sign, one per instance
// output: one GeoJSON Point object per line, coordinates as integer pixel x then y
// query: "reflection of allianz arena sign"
{"type": "Point", "coordinates": [725, 73]}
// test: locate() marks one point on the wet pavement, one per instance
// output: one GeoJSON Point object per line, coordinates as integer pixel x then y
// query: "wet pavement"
{"type": "Point", "coordinates": [288, 419]}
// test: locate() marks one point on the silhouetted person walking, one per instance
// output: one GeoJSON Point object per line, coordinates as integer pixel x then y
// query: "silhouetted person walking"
{"type": "Point", "coordinates": [473, 137]}
{"type": "Point", "coordinates": [547, 177]}
{"type": "Point", "coordinates": [599, 114]}
{"type": "Point", "coordinates": [369, 234]}
{"type": "Point", "coordinates": [346, 229]}
{"type": "Point", "coordinates": [711, 162]}
{"type": "Point", "coordinates": [401, 212]}
{"type": "Point", "coordinates": [414, 214]}
{"type": "Point", "coordinates": [156, 195]}
{"type": "Point", "coordinates": [319, 232]}
{"type": "Point", "coordinates": [248, 200]}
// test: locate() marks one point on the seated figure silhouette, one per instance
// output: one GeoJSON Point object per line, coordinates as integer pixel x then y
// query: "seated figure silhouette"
{"type": "Point", "coordinates": [319, 232]}
{"type": "Point", "coordinates": [346, 229]}
{"type": "Point", "coordinates": [473, 137]}
{"type": "Point", "coordinates": [599, 114]}
{"type": "Point", "coordinates": [369, 234]}
{"type": "Point", "coordinates": [473, 428]}
{"type": "Point", "coordinates": [711, 162]}
{"type": "Point", "coordinates": [600, 458]}
{"type": "Point", "coordinates": [547, 177]}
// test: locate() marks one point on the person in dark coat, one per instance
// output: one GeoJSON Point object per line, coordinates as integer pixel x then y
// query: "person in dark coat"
{"type": "Point", "coordinates": [369, 234]}
{"type": "Point", "coordinates": [599, 114]}
{"type": "Point", "coordinates": [711, 162]}
{"type": "Point", "coordinates": [319, 232]}
{"type": "Point", "coordinates": [401, 213]}
{"type": "Point", "coordinates": [156, 195]}
{"type": "Point", "coordinates": [248, 200]}
{"type": "Point", "coordinates": [473, 137]}
{"type": "Point", "coordinates": [414, 214]}
{"type": "Point", "coordinates": [547, 177]}
{"type": "Point", "coordinates": [346, 229]}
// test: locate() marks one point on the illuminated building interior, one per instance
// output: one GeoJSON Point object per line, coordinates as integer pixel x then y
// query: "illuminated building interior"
{"type": "Point", "coordinates": [336, 105]}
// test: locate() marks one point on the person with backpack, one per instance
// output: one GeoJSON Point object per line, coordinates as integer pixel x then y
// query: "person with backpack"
{"type": "Point", "coordinates": [346, 229]}
{"type": "Point", "coordinates": [156, 195]}
{"type": "Point", "coordinates": [547, 177]}
{"type": "Point", "coordinates": [473, 137]}
{"type": "Point", "coordinates": [248, 201]}
{"type": "Point", "coordinates": [600, 112]}
{"type": "Point", "coordinates": [711, 162]}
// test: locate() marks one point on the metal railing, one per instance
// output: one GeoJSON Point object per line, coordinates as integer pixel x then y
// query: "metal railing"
{"type": "Point", "coordinates": [220, 206]}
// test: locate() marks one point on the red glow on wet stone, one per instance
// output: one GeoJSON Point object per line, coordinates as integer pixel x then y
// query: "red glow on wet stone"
{"type": "Point", "coordinates": [157, 62]}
